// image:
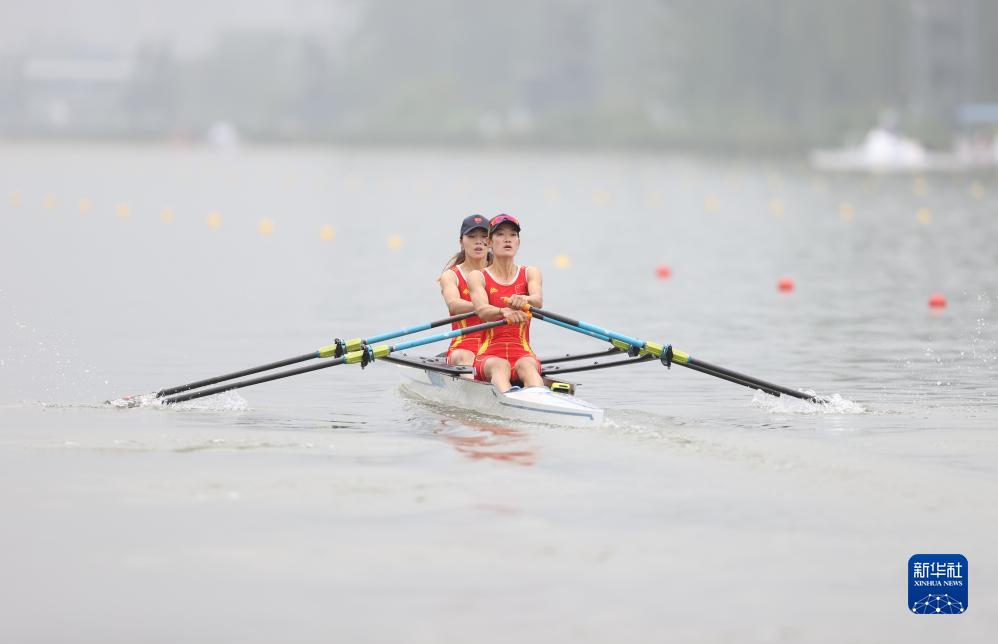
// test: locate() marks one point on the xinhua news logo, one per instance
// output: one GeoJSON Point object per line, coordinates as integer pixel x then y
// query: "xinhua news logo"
{"type": "Point", "coordinates": [937, 584]}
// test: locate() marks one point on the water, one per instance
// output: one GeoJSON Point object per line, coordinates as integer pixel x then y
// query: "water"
{"type": "Point", "coordinates": [331, 506]}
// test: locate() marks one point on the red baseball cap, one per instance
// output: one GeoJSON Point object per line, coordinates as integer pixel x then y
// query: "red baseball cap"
{"type": "Point", "coordinates": [503, 219]}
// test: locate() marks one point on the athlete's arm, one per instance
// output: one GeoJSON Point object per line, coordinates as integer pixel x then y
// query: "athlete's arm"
{"type": "Point", "coordinates": [452, 296]}
{"type": "Point", "coordinates": [535, 296]}
{"type": "Point", "coordinates": [484, 310]}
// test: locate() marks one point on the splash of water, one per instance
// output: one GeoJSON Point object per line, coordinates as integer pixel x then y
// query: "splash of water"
{"type": "Point", "coordinates": [225, 401]}
{"type": "Point", "coordinates": [834, 404]}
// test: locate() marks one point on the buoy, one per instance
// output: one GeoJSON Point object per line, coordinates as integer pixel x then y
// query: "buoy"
{"type": "Point", "coordinates": [786, 285]}
{"type": "Point", "coordinates": [166, 215]}
{"type": "Point", "coordinates": [937, 301]}
{"type": "Point", "coordinates": [327, 233]}
{"type": "Point", "coordinates": [776, 207]}
{"type": "Point", "coordinates": [601, 198]}
{"type": "Point", "coordinates": [563, 261]}
{"type": "Point", "coordinates": [266, 227]}
{"type": "Point", "coordinates": [214, 220]}
{"type": "Point", "coordinates": [395, 242]}
{"type": "Point", "coordinates": [663, 272]}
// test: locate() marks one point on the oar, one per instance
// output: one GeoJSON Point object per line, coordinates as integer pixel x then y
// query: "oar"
{"type": "Point", "coordinates": [667, 354]}
{"type": "Point", "coordinates": [364, 355]}
{"type": "Point", "coordinates": [336, 349]}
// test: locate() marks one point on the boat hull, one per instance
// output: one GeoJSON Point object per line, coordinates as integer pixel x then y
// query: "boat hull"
{"type": "Point", "coordinates": [532, 404]}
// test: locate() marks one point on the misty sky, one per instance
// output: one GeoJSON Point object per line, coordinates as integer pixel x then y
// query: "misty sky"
{"type": "Point", "coordinates": [59, 27]}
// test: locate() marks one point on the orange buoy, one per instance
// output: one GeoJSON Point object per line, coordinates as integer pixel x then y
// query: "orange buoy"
{"type": "Point", "coordinates": [785, 285]}
{"type": "Point", "coordinates": [663, 272]}
{"type": "Point", "coordinates": [937, 301]}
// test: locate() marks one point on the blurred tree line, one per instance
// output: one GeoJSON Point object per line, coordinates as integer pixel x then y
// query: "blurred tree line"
{"type": "Point", "coordinates": [755, 74]}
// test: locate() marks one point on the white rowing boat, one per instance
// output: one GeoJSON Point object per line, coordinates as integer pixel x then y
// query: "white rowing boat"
{"type": "Point", "coordinates": [531, 404]}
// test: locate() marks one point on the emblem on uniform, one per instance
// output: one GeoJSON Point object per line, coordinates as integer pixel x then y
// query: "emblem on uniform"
{"type": "Point", "coordinates": [493, 290]}
{"type": "Point", "coordinates": [466, 291]}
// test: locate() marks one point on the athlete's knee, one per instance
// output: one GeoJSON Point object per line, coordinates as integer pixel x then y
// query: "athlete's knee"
{"type": "Point", "coordinates": [496, 366]}
{"type": "Point", "coordinates": [526, 366]}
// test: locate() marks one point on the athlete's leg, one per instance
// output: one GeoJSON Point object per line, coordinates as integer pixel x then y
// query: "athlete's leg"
{"type": "Point", "coordinates": [528, 369]}
{"type": "Point", "coordinates": [462, 357]}
{"type": "Point", "coordinates": [497, 371]}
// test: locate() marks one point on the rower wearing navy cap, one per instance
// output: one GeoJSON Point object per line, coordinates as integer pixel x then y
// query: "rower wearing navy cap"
{"type": "Point", "coordinates": [474, 255]}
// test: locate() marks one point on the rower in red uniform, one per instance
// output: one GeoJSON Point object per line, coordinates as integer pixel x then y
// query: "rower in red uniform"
{"type": "Point", "coordinates": [501, 291]}
{"type": "Point", "coordinates": [474, 255]}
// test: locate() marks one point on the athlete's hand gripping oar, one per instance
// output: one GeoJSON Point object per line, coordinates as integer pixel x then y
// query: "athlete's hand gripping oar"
{"type": "Point", "coordinates": [668, 355]}
{"type": "Point", "coordinates": [363, 356]}
{"type": "Point", "coordinates": [335, 350]}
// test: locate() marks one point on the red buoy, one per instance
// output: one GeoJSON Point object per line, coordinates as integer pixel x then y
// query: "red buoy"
{"type": "Point", "coordinates": [663, 271]}
{"type": "Point", "coordinates": [937, 301]}
{"type": "Point", "coordinates": [786, 285]}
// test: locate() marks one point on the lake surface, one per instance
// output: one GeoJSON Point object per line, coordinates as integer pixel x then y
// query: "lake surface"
{"type": "Point", "coordinates": [333, 507]}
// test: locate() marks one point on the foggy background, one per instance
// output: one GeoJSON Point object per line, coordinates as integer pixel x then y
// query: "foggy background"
{"type": "Point", "coordinates": [779, 75]}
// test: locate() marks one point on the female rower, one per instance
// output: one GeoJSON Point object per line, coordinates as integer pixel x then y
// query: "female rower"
{"type": "Point", "coordinates": [474, 255]}
{"type": "Point", "coordinates": [501, 291]}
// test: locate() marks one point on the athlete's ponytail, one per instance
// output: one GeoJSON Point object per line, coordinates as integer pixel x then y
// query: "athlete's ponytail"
{"type": "Point", "coordinates": [456, 258]}
{"type": "Point", "coordinates": [459, 257]}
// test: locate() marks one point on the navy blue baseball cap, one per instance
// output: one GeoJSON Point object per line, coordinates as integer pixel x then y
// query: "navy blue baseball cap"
{"type": "Point", "coordinates": [474, 222]}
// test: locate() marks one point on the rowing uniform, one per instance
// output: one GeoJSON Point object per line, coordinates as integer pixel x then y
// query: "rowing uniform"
{"type": "Point", "coordinates": [508, 342]}
{"type": "Point", "coordinates": [472, 341]}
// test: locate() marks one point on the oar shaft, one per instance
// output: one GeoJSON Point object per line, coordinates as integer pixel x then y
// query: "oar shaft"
{"type": "Point", "coordinates": [734, 376]}
{"type": "Point", "coordinates": [440, 337]}
{"type": "Point", "coordinates": [236, 374]}
{"type": "Point", "coordinates": [253, 381]}
{"type": "Point", "coordinates": [323, 352]}
{"type": "Point", "coordinates": [680, 358]}
{"type": "Point", "coordinates": [585, 326]}
{"type": "Point", "coordinates": [418, 328]}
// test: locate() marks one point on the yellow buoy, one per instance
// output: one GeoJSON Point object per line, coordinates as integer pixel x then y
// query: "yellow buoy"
{"type": "Point", "coordinates": [601, 198]}
{"type": "Point", "coordinates": [326, 233]}
{"type": "Point", "coordinates": [166, 215]}
{"type": "Point", "coordinates": [977, 190]}
{"type": "Point", "coordinates": [86, 205]}
{"type": "Point", "coordinates": [563, 261]}
{"type": "Point", "coordinates": [653, 199]}
{"type": "Point", "coordinates": [266, 227]}
{"type": "Point", "coordinates": [924, 216]}
{"type": "Point", "coordinates": [123, 211]}
{"type": "Point", "coordinates": [15, 200]}
{"type": "Point", "coordinates": [48, 202]}
{"type": "Point", "coordinates": [711, 203]}
{"type": "Point", "coordinates": [847, 211]}
{"type": "Point", "coordinates": [214, 220]}
{"type": "Point", "coordinates": [395, 242]}
{"type": "Point", "coordinates": [552, 194]}
{"type": "Point", "coordinates": [776, 207]}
